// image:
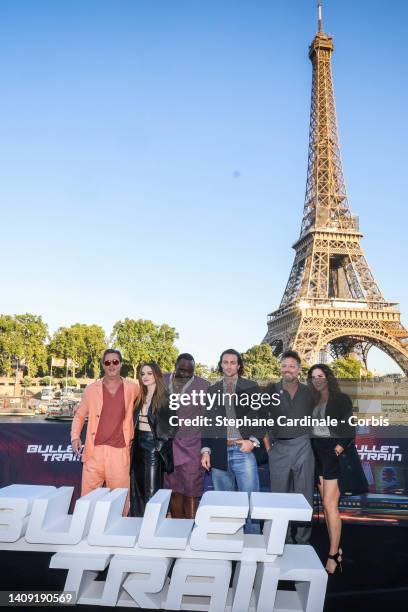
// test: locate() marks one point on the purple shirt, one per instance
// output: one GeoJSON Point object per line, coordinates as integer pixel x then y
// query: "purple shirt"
{"type": "Point", "coordinates": [187, 443]}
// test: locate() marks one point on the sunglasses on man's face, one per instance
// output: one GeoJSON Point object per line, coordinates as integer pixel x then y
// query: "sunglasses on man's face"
{"type": "Point", "coordinates": [109, 362]}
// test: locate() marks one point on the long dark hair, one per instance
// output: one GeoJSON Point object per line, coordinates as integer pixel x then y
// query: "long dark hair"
{"type": "Point", "coordinates": [160, 394]}
{"type": "Point", "coordinates": [333, 385]}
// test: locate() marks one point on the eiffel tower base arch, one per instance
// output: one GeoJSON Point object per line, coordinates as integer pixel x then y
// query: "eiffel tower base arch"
{"type": "Point", "coordinates": [308, 331]}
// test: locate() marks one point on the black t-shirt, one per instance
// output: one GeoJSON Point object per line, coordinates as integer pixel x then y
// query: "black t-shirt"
{"type": "Point", "coordinates": [301, 405]}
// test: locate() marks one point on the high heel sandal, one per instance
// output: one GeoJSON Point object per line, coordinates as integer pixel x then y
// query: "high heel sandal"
{"type": "Point", "coordinates": [338, 562]}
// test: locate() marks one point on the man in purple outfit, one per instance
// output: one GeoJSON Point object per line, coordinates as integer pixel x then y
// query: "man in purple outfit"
{"type": "Point", "coordinates": [187, 479]}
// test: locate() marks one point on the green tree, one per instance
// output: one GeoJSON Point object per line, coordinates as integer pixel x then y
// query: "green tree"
{"type": "Point", "coordinates": [260, 362]}
{"type": "Point", "coordinates": [71, 382]}
{"type": "Point", "coordinates": [34, 334]}
{"type": "Point", "coordinates": [346, 367]}
{"type": "Point", "coordinates": [202, 370]}
{"type": "Point", "coordinates": [213, 375]}
{"type": "Point", "coordinates": [95, 344]}
{"type": "Point", "coordinates": [210, 374]}
{"type": "Point", "coordinates": [142, 340]}
{"type": "Point", "coordinates": [26, 381]}
{"type": "Point", "coordinates": [11, 343]}
{"type": "Point", "coordinates": [68, 343]}
{"type": "Point", "coordinates": [84, 344]}
{"type": "Point", "coordinates": [23, 337]}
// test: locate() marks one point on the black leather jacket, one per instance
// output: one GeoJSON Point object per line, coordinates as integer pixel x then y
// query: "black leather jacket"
{"type": "Point", "coordinates": [162, 431]}
{"type": "Point", "coordinates": [340, 407]}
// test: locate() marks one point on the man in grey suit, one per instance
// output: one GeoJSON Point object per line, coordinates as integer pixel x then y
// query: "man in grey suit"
{"type": "Point", "coordinates": [228, 450]}
{"type": "Point", "coordinates": [291, 460]}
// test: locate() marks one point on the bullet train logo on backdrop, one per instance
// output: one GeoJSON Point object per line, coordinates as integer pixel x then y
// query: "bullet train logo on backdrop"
{"type": "Point", "coordinates": [50, 452]}
{"type": "Point", "coordinates": [381, 453]}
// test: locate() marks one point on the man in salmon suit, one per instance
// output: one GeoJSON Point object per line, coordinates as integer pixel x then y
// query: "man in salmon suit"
{"type": "Point", "coordinates": [108, 403]}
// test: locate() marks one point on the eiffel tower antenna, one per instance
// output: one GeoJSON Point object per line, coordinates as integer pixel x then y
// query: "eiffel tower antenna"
{"type": "Point", "coordinates": [331, 300]}
{"type": "Point", "coordinates": [320, 19]}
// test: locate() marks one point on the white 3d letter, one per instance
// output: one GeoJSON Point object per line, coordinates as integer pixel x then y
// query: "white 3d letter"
{"type": "Point", "coordinates": [144, 584]}
{"type": "Point", "coordinates": [197, 578]}
{"type": "Point", "coordinates": [219, 521]}
{"type": "Point", "coordinates": [277, 509]}
{"type": "Point", "coordinates": [159, 532]}
{"type": "Point", "coordinates": [50, 522]}
{"type": "Point", "coordinates": [80, 577]}
{"type": "Point", "coordinates": [16, 502]}
{"type": "Point", "coordinates": [109, 527]}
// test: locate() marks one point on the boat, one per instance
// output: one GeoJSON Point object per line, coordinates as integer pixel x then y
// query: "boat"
{"type": "Point", "coordinates": [62, 409]}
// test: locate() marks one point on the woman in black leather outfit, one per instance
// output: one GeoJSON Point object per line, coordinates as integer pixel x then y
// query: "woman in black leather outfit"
{"type": "Point", "coordinates": [329, 443]}
{"type": "Point", "coordinates": [151, 453]}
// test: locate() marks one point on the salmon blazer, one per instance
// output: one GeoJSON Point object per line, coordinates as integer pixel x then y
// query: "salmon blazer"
{"type": "Point", "coordinates": [91, 406]}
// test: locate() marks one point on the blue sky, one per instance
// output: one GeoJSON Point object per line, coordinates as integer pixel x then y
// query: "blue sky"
{"type": "Point", "coordinates": [153, 157]}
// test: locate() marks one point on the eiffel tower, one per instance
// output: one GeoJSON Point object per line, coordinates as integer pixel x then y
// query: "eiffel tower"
{"type": "Point", "coordinates": [331, 301]}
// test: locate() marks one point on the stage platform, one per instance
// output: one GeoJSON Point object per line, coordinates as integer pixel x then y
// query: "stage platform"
{"type": "Point", "coordinates": [374, 574]}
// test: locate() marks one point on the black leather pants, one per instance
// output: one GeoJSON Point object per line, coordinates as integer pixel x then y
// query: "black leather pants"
{"type": "Point", "coordinates": [146, 475]}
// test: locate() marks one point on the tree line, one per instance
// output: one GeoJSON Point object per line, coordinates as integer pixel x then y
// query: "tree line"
{"type": "Point", "coordinates": [25, 342]}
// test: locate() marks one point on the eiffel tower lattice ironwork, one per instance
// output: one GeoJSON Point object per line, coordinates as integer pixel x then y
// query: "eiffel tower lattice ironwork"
{"type": "Point", "coordinates": [331, 298]}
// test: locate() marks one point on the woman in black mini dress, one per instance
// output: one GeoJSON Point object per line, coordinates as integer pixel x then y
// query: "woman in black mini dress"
{"type": "Point", "coordinates": [329, 442]}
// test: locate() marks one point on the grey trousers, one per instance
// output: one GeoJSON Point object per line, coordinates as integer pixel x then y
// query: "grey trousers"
{"type": "Point", "coordinates": [291, 467]}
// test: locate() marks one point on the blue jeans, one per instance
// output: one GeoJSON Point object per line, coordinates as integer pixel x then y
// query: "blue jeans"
{"type": "Point", "coordinates": [242, 475]}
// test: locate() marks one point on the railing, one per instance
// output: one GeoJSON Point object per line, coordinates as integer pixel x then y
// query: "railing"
{"type": "Point", "coordinates": [335, 303]}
